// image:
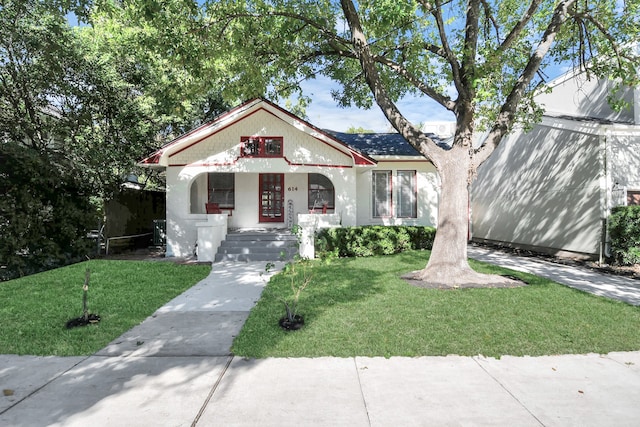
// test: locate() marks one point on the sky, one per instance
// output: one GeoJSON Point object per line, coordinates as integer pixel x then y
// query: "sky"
{"type": "Point", "coordinates": [324, 112]}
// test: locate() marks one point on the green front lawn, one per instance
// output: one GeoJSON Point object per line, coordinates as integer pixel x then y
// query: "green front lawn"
{"type": "Point", "coordinates": [35, 309]}
{"type": "Point", "coordinates": [360, 307]}
{"type": "Point", "coordinates": [353, 307]}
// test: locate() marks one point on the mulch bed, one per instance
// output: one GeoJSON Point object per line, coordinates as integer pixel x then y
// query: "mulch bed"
{"type": "Point", "coordinates": [81, 321]}
{"type": "Point", "coordinates": [515, 283]}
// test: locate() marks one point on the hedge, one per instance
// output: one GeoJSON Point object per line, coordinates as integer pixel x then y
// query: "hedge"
{"type": "Point", "coordinates": [624, 229]}
{"type": "Point", "coordinates": [372, 240]}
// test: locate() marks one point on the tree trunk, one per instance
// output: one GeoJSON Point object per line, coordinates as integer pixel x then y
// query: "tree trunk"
{"type": "Point", "coordinates": [448, 265]}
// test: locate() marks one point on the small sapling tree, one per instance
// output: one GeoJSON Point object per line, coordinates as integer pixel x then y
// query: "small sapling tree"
{"type": "Point", "coordinates": [86, 317]}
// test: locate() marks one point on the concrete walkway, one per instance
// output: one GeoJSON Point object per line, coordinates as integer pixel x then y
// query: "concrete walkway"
{"type": "Point", "coordinates": [174, 369]}
{"type": "Point", "coordinates": [606, 285]}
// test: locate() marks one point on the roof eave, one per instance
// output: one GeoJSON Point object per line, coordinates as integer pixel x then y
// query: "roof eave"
{"type": "Point", "coordinates": [390, 157]}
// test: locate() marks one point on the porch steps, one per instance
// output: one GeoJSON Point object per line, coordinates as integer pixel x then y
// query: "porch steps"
{"type": "Point", "coordinates": [246, 246]}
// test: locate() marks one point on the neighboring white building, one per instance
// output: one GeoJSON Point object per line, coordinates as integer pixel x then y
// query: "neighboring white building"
{"type": "Point", "coordinates": [551, 189]}
{"type": "Point", "coordinates": [442, 129]}
{"type": "Point", "coordinates": [262, 167]}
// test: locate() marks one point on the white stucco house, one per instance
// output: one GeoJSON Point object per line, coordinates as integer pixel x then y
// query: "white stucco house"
{"type": "Point", "coordinates": [260, 167]}
{"type": "Point", "coordinates": [552, 189]}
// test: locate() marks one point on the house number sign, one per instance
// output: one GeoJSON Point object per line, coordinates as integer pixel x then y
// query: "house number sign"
{"type": "Point", "coordinates": [292, 189]}
{"type": "Point", "coordinates": [289, 213]}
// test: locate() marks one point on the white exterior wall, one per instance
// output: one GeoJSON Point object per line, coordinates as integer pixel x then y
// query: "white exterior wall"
{"type": "Point", "coordinates": [624, 152]}
{"type": "Point", "coordinates": [428, 188]}
{"type": "Point", "coordinates": [577, 96]}
{"type": "Point", "coordinates": [352, 199]}
{"type": "Point", "coordinates": [181, 231]}
{"type": "Point", "coordinates": [303, 154]}
{"type": "Point", "coordinates": [218, 149]}
{"type": "Point", "coordinates": [223, 147]}
{"type": "Point", "coordinates": [181, 223]}
{"type": "Point", "coordinates": [553, 187]}
{"type": "Point", "coordinates": [542, 189]}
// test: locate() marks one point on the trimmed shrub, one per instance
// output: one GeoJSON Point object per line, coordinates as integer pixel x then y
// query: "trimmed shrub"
{"type": "Point", "coordinates": [372, 240]}
{"type": "Point", "coordinates": [624, 229]}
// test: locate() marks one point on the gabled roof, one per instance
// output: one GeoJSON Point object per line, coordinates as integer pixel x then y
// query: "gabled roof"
{"type": "Point", "coordinates": [580, 95]}
{"type": "Point", "coordinates": [382, 144]}
{"type": "Point", "coordinates": [161, 156]}
{"type": "Point", "coordinates": [378, 144]}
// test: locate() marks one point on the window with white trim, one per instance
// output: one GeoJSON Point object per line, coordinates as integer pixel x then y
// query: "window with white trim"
{"type": "Point", "coordinates": [321, 192]}
{"type": "Point", "coordinates": [406, 206]}
{"type": "Point", "coordinates": [381, 194]}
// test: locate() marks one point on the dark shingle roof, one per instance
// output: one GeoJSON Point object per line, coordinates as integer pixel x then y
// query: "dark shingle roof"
{"type": "Point", "coordinates": [380, 144]}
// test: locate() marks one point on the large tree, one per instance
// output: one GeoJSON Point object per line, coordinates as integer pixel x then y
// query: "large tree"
{"type": "Point", "coordinates": [79, 106]}
{"type": "Point", "coordinates": [45, 207]}
{"type": "Point", "coordinates": [482, 60]}
{"type": "Point", "coordinates": [158, 49]}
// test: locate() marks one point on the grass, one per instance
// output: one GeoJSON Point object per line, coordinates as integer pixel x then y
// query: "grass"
{"type": "Point", "coordinates": [35, 308]}
{"type": "Point", "coordinates": [353, 307]}
{"type": "Point", "coordinates": [360, 307]}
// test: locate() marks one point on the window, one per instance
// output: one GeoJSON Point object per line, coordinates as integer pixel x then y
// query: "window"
{"type": "Point", "coordinates": [381, 192]}
{"type": "Point", "coordinates": [253, 146]}
{"type": "Point", "coordinates": [272, 146]}
{"type": "Point", "coordinates": [321, 192]}
{"type": "Point", "coordinates": [406, 206]}
{"type": "Point", "coordinates": [633, 197]}
{"type": "Point", "coordinates": [222, 189]}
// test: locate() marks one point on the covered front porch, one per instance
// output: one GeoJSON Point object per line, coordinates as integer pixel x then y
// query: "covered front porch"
{"type": "Point", "coordinates": [205, 205]}
{"type": "Point", "coordinates": [216, 242]}
{"type": "Point", "coordinates": [264, 200]}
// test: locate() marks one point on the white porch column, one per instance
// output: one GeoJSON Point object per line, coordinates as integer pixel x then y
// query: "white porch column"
{"type": "Point", "coordinates": [210, 236]}
{"type": "Point", "coordinates": [309, 224]}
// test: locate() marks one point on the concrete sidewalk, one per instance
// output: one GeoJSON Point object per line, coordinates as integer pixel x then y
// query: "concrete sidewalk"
{"type": "Point", "coordinates": [174, 369]}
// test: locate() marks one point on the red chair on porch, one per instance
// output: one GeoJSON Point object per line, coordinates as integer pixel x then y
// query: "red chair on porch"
{"type": "Point", "coordinates": [213, 208]}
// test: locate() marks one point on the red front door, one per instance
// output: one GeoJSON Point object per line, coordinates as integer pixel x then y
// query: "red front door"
{"type": "Point", "coordinates": [271, 197]}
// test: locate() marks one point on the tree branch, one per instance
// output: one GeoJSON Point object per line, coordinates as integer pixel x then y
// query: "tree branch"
{"type": "Point", "coordinates": [489, 14]}
{"type": "Point", "coordinates": [581, 17]}
{"type": "Point", "coordinates": [470, 46]}
{"type": "Point", "coordinates": [520, 25]}
{"type": "Point", "coordinates": [446, 49]}
{"type": "Point", "coordinates": [445, 101]}
{"type": "Point", "coordinates": [436, 50]}
{"type": "Point", "coordinates": [318, 26]}
{"type": "Point", "coordinates": [425, 145]}
{"type": "Point", "coordinates": [505, 118]}
{"type": "Point", "coordinates": [397, 68]}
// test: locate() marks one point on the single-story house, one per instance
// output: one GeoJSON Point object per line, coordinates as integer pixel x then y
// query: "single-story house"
{"type": "Point", "coordinates": [551, 189]}
{"type": "Point", "coordinates": [259, 166]}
